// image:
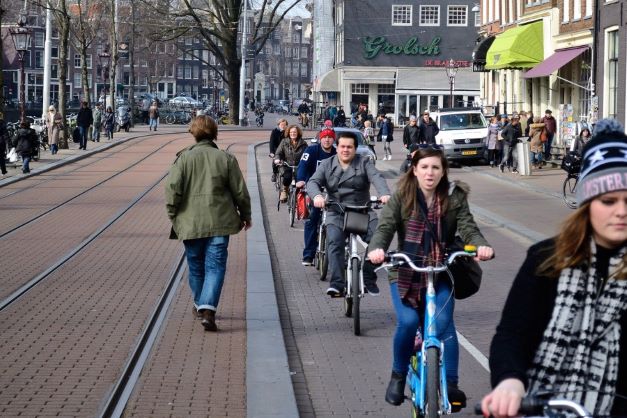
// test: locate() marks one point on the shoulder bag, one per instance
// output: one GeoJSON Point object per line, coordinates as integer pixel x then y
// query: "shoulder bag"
{"type": "Point", "coordinates": [543, 135]}
{"type": "Point", "coordinates": [465, 271]}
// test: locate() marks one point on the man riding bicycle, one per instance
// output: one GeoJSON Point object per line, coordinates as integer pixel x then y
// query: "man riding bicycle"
{"type": "Point", "coordinates": [309, 162]}
{"type": "Point", "coordinates": [303, 111]}
{"type": "Point", "coordinates": [347, 179]}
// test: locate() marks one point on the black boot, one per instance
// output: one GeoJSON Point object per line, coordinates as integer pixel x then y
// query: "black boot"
{"type": "Point", "coordinates": [395, 394]}
{"type": "Point", "coordinates": [456, 397]}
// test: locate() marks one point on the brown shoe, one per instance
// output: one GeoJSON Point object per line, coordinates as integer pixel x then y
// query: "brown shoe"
{"type": "Point", "coordinates": [195, 312]}
{"type": "Point", "coordinates": [283, 196]}
{"type": "Point", "coordinates": [209, 320]}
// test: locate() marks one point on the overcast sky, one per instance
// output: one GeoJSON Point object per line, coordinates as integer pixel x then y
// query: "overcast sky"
{"type": "Point", "coordinates": [299, 10]}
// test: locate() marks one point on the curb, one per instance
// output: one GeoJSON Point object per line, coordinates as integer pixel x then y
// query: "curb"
{"type": "Point", "coordinates": [269, 390]}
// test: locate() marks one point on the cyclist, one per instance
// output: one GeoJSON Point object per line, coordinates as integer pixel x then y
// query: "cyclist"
{"type": "Point", "coordinates": [426, 211]}
{"type": "Point", "coordinates": [564, 324]}
{"type": "Point", "coordinates": [276, 136]}
{"type": "Point", "coordinates": [290, 150]}
{"type": "Point", "coordinates": [311, 159]}
{"type": "Point", "coordinates": [303, 111]}
{"type": "Point", "coordinates": [347, 179]}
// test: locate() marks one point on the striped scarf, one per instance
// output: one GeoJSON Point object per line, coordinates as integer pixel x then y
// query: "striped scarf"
{"type": "Point", "coordinates": [579, 352]}
{"type": "Point", "coordinates": [421, 245]}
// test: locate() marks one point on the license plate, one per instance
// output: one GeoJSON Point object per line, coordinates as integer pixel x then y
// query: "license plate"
{"type": "Point", "coordinates": [470, 152]}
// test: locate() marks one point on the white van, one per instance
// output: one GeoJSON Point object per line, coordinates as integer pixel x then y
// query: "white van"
{"type": "Point", "coordinates": [463, 132]}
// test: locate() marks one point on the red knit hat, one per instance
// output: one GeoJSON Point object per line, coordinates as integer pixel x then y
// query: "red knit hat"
{"type": "Point", "coordinates": [327, 132]}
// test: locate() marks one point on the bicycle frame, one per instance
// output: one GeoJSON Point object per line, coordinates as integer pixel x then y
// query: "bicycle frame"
{"type": "Point", "coordinates": [352, 254]}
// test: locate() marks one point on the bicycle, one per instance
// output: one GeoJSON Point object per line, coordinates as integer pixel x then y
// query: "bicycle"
{"type": "Point", "coordinates": [321, 261]}
{"type": "Point", "coordinates": [426, 376]}
{"type": "Point", "coordinates": [571, 163]}
{"type": "Point", "coordinates": [356, 225]}
{"type": "Point", "coordinates": [544, 404]}
{"type": "Point", "coordinates": [291, 192]}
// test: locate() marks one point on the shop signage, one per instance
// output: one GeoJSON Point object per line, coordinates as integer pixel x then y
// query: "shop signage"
{"type": "Point", "coordinates": [374, 45]}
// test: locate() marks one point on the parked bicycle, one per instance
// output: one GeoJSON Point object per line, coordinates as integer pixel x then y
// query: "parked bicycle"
{"type": "Point", "coordinates": [426, 377]}
{"type": "Point", "coordinates": [571, 163]}
{"type": "Point", "coordinates": [356, 224]}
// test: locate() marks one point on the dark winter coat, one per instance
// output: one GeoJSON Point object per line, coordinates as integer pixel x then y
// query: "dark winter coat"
{"type": "Point", "coordinates": [411, 134]}
{"type": "Point", "coordinates": [276, 136]}
{"type": "Point", "coordinates": [511, 133]}
{"type": "Point", "coordinates": [24, 141]}
{"type": "Point", "coordinates": [428, 131]}
{"type": "Point", "coordinates": [84, 118]}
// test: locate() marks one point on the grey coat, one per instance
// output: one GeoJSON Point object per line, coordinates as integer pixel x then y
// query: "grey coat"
{"type": "Point", "coordinates": [348, 187]}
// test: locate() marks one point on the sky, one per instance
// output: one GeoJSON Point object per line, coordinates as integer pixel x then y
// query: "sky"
{"type": "Point", "coordinates": [299, 10]}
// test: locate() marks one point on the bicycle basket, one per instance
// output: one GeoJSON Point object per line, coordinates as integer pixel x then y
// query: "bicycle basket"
{"type": "Point", "coordinates": [356, 222]}
{"type": "Point", "coordinates": [571, 163]}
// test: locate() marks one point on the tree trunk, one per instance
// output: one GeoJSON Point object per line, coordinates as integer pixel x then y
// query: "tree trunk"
{"type": "Point", "coordinates": [131, 63]}
{"type": "Point", "coordinates": [2, 11]}
{"type": "Point", "coordinates": [63, 22]}
{"type": "Point", "coordinates": [114, 57]}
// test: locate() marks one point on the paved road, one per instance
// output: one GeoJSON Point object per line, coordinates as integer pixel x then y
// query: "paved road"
{"type": "Point", "coordinates": [339, 374]}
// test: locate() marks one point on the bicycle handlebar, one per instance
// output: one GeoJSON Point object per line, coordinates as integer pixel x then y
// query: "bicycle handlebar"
{"type": "Point", "coordinates": [390, 261]}
{"type": "Point", "coordinates": [536, 405]}
{"type": "Point", "coordinates": [373, 202]}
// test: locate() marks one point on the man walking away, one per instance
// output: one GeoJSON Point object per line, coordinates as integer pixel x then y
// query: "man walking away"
{"type": "Point", "coordinates": [84, 120]}
{"type": "Point", "coordinates": [207, 201]}
{"type": "Point", "coordinates": [511, 134]}
{"type": "Point", "coordinates": [550, 126]}
{"type": "Point", "coordinates": [95, 135]}
{"type": "Point", "coordinates": [153, 113]}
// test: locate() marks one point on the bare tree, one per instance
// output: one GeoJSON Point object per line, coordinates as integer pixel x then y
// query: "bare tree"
{"type": "Point", "coordinates": [216, 22]}
{"type": "Point", "coordinates": [2, 13]}
{"type": "Point", "coordinates": [115, 56]}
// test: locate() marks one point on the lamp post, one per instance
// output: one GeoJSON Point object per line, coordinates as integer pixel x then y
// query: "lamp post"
{"type": "Point", "coordinates": [103, 60]}
{"type": "Point", "coordinates": [451, 72]}
{"type": "Point", "coordinates": [21, 40]}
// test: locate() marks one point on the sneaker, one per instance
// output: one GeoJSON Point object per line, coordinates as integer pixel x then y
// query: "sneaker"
{"type": "Point", "coordinates": [334, 292]}
{"type": "Point", "coordinates": [502, 168]}
{"type": "Point", "coordinates": [515, 171]}
{"type": "Point", "coordinates": [307, 262]}
{"type": "Point", "coordinates": [372, 289]}
{"type": "Point", "coordinates": [456, 397]}
{"type": "Point", "coordinates": [283, 196]}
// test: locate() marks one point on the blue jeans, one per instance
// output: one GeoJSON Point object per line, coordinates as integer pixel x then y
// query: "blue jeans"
{"type": "Point", "coordinates": [83, 134]}
{"type": "Point", "coordinates": [547, 145]}
{"type": "Point", "coordinates": [536, 158]}
{"type": "Point", "coordinates": [153, 123]}
{"type": "Point", "coordinates": [407, 321]}
{"type": "Point", "coordinates": [95, 133]}
{"type": "Point", "coordinates": [206, 261]}
{"type": "Point", "coordinates": [25, 162]}
{"type": "Point", "coordinates": [311, 232]}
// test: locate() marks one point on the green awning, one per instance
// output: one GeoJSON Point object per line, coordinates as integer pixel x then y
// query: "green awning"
{"type": "Point", "coordinates": [520, 47]}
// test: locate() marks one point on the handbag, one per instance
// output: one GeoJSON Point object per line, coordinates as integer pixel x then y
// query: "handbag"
{"type": "Point", "coordinates": [571, 163]}
{"type": "Point", "coordinates": [465, 271]}
{"type": "Point", "coordinates": [356, 222]}
{"type": "Point", "coordinates": [302, 205]}
{"type": "Point", "coordinates": [543, 136]}
{"type": "Point", "coordinates": [12, 155]}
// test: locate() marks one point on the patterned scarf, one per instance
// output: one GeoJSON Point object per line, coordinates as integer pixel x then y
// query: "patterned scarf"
{"type": "Point", "coordinates": [421, 245]}
{"type": "Point", "coordinates": [579, 352]}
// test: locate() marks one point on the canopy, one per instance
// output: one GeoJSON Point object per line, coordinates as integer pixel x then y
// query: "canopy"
{"type": "Point", "coordinates": [480, 53]}
{"type": "Point", "coordinates": [560, 58]}
{"type": "Point", "coordinates": [328, 82]}
{"type": "Point", "coordinates": [520, 47]}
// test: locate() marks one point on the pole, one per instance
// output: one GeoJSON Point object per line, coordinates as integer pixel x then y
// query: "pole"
{"type": "Point", "coordinates": [450, 94]}
{"type": "Point", "coordinates": [242, 74]}
{"type": "Point", "coordinates": [22, 88]}
{"type": "Point", "coordinates": [47, 61]}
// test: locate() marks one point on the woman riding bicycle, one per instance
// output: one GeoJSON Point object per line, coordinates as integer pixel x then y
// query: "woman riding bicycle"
{"type": "Point", "coordinates": [425, 190]}
{"type": "Point", "coordinates": [290, 150]}
{"type": "Point", "coordinates": [564, 325]}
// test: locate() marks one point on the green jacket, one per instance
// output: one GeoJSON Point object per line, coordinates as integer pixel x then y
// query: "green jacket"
{"type": "Point", "coordinates": [458, 219]}
{"type": "Point", "coordinates": [205, 193]}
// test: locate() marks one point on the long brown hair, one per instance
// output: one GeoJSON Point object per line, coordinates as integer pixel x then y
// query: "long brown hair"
{"type": "Point", "coordinates": [572, 245]}
{"type": "Point", "coordinates": [408, 184]}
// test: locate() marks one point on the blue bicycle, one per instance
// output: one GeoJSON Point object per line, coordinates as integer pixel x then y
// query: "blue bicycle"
{"type": "Point", "coordinates": [426, 377]}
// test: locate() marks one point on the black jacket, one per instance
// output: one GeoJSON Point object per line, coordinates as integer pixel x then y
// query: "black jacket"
{"type": "Point", "coordinates": [411, 135]}
{"type": "Point", "coordinates": [428, 131]}
{"type": "Point", "coordinates": [84, 118]}
{"type": "Point", "coordinates": [276, 136]}
{"type": "Point", "coordinates": [24, 141]}
{"type": "Point", "coordinates": [526, 314]}
{"type": "Point", "coordinates": [511, 133]}
{"type": "Point", "coordinates": [4, 133]}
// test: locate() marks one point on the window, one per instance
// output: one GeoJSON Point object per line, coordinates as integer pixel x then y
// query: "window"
{"type": "Point", "coordinates": [477, 19]}
{"type": "Point", "coordinates": [429, 15]}
{"type": "Point", "coordinates": [88, 59]}
{"type": "Point", "coordinates": [360, 88]}
{"type": "Point", "coordinates": [77, 61]}
{"type": "Point", "coordinates": [611, 42]}
{"type": "Point", "coordinates": [39, 59]}
{"type": "Point", "coordinates": [54, 71]}
{"type": "Point", "coordinates": [188, 72]}
{"type": "Point", "coordinates": [179, 71]}
{"type": "Point", "coordinates": [77, 80]}
{"type": "Point", "coordinates": [39, 39]}
{"type": "Point", "coordinates": [54, 52]}
{"type": "Point", "coordinates": [303, 52]}
{"type": "Point", "coordinates": [457, 16]}
{"type": "Point", "coordinates": [195, 72]}
{"type": "Point", "coordinates": [386, 88]}
{"type": "Point", "coordinates": [401, 15]}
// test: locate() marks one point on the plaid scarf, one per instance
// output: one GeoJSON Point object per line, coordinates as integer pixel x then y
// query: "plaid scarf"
{"type": "Point", "coordinates": [579, 352]}
{"type": "Point", "coordinates": [421, 245]}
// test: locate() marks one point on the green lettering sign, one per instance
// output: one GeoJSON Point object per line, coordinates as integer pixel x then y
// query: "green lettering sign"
{"type": "Point", "coordinates": [374, 45]}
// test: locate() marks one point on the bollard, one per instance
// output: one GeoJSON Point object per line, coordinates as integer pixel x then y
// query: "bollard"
{"type": "Point", "coordinates": [524, 156]}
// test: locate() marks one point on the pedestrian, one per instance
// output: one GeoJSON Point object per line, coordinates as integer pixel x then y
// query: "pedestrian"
{"type": "Point", "coordinates": [510, 134]}
{"type": "Point", "coordinates": [406, 164]}
{"type": "Point", "coordinates": [425, 213]}
{"type": "Point", "coordinates": [4, 140]}
{"type": "Point", "coordinates": [530, 119]}
{"type": "Point", "coordinates": [108, 120]}
{"type": "Point", "coordinates": [580, 142]}
{"type": "Point", "coordinates": [495, 143]}
{"type": "Point", "coordinates": [54, 122]}
{"type": "Point", "coordinates": [276, 136]}
{"type": "Point", "coordinates": [386, 135]}
{"type": "Point", "coordinates": [550, 125]}
{"type": "Point", "coordinates": [369, 136]}
{"type": "Point", "coordinates": [207, 201]}
{"type": "Point", "coordinates": [84, 120]}
{"type": "Point", "coordinates": [290, 150]}
{"type": "Point", "coordinates": [536, 146]}
{"type": "Point", "coordinates": [153, 114]}
{"type": "Point", "coordinates": [524, 121]}
{"type": "Point", "coordinates": [411, 132]}
{"type": "Point", "coordinates": [97, 116]}
{"type": "Point", "coordinates": [563, 325]}
{"type": "Point", "coordinates": [24, 140]}
{"type": "Point", "coordinates": [428, 129]}
{"type": "Point", "coordinates": [145, 110]}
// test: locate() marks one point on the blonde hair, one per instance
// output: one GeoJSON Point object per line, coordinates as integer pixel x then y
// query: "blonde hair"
{"type": "Point", "coordinates": [367, 124]}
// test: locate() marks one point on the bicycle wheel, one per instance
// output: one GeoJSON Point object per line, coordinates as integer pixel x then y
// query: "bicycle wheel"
{"type": "Point", "coordinates": [432, 404]}
{"type": "Point", "coordinates": [323, 260]}
{"type": "Point", "coordinates": [291, 206]}
{"type": "Point", "coordinates": [356, 299]}
{"type": "Point", "coordinates": [170, 119]}
{"type": "Point", "coordinates": [570, 183]}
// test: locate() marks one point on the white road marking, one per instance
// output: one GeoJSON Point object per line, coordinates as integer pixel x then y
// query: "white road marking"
{"type": "Point", "coordinates": [474, 351]}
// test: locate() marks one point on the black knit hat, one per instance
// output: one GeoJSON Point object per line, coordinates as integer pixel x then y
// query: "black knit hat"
{"type": "Point", "coordinates": [604, 165]}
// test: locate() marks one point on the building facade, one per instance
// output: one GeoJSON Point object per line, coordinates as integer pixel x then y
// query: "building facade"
{"type": "Point", "coordinates": [392, 55]}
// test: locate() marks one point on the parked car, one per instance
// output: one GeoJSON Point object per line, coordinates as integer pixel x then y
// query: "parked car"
{"type": "Point", "coordinates": [185, 101]}
{"type": "Point", "coordinates": [362, 148]}
{"type": "Point", "coordinates": [463, 132]}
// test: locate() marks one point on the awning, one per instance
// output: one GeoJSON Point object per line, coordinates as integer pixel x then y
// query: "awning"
{"type": "Point", "coordinates": [329, 81]}
{"type": "Point", "coordinates": [370, 77]}
{"type": "Point", "coordinates": [480, 53]}
{"type": "Point", "coordinates": [421, 78]}
{"type": "Point", "coordinates": [520, 47]}
{"type": "Point", "coordinates": [556, 61]}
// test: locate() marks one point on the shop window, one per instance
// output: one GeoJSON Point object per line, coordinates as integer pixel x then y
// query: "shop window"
{"type": "Point", "coordinates": [457, 16]}
{"type": "Point", "coordinates": [360, 88]}
{"type": "Point", "coordinates": [401, 15]}
{"type": "Point", "coordinates": [385, 88]}
{"type": "Point", "coordinates": [429, 15]}
{"type": "Point", "coordinates": [611, 89]}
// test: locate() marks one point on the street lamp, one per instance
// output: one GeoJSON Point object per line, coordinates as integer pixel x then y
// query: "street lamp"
{"type": "Point", "coordinates": [21, 40]}
{"type": "Point", "coordinates": [103, 60]}
{"type": "Point", "coordinates": [451, 71]}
